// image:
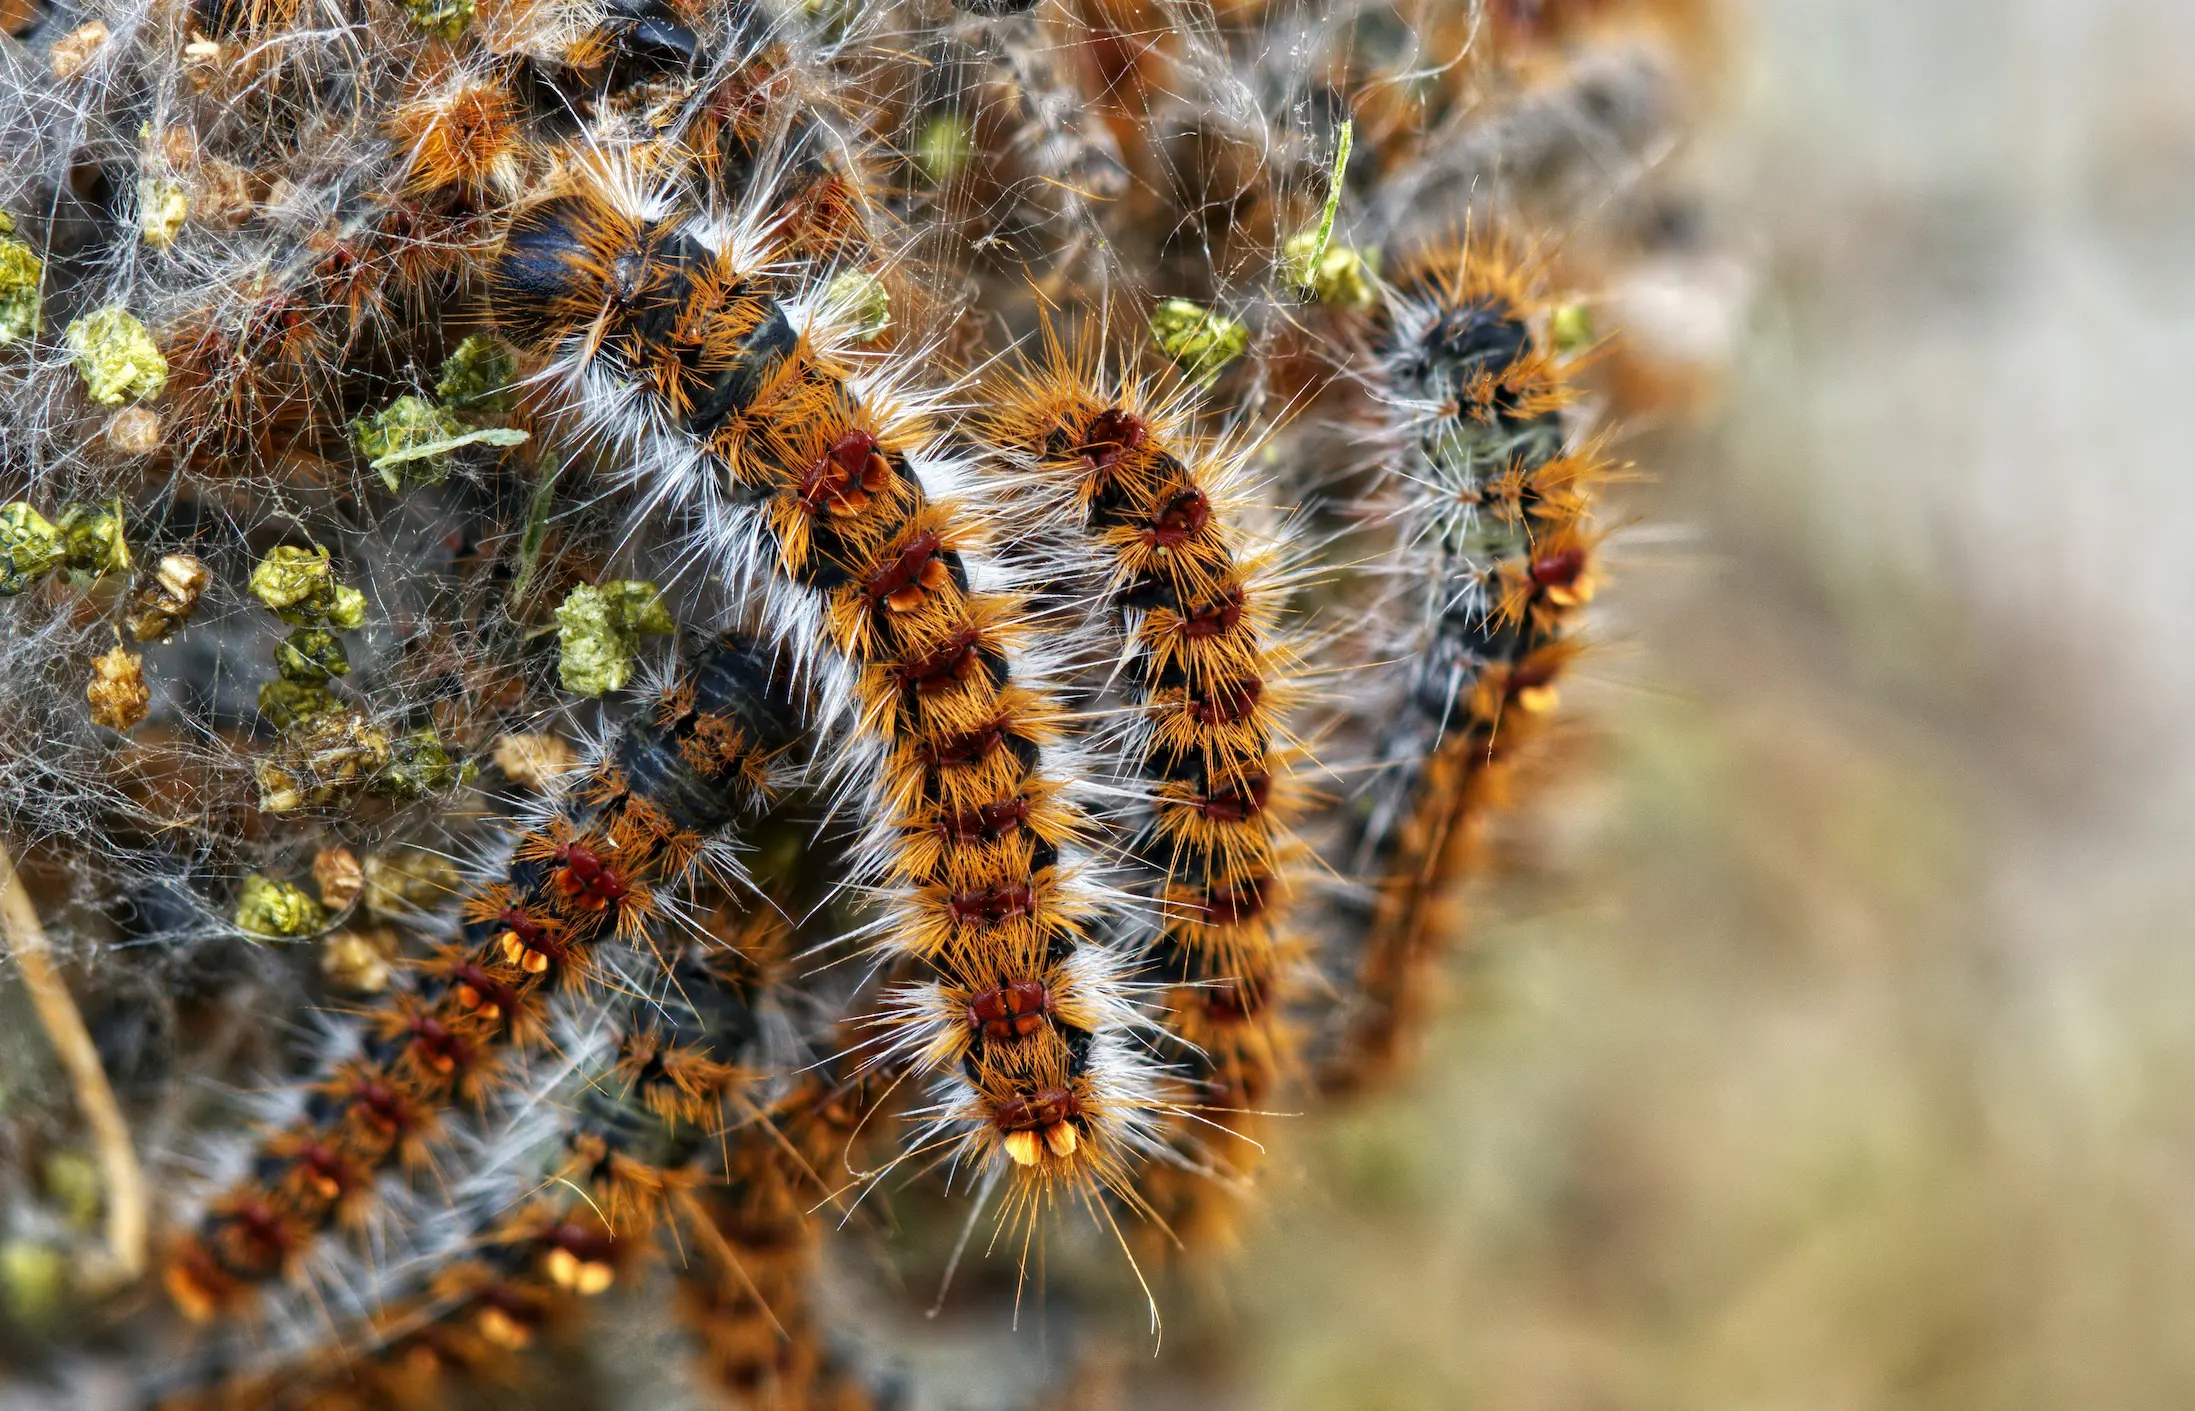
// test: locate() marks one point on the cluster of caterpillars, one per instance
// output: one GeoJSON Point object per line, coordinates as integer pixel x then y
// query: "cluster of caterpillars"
{"type": "Point", "coordinates": [1042, 797]}
{"type": "Point", "coordinates": [635, 822]}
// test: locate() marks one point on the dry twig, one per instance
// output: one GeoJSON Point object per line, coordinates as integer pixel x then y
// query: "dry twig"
{"type": "Point", "coordinates": [72, 1043]}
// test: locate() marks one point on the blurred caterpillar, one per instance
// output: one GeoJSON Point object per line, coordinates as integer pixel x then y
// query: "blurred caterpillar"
{"type": "Point", "coordinates": [687, 1064]}
{"type": "Point", "coordinates": [1495, 561]}
{"type": "Point", "coordinates": [750, 1299]}
{"type": "Point", "coordinates": [1120, 479]}
{"type": "Point", "coordinates": [801, 464]}
{"type": "Point", "coordinates": [637, 822]}
{"type": "Point", "coordinates": [1048, 162]}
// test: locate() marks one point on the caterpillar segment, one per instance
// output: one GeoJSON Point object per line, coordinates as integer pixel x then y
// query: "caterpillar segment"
{"type": "Point", "coordinates": [1208, 682]}
{"type": "Point", "coordinates": [1496, 561]}
{"type": "Point", "coordinates": [524, 1284]}
{"type": "Point", "coordinates": [675, 779]}
{"type": "Point", "coordinates": [806, 468]}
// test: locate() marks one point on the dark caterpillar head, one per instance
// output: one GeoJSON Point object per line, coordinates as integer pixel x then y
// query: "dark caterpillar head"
{"type": "Point", "coordinates": [579, 262]}
{"type": "Point", "coordinates": [647, 39]}
{"type": "Point", "coordinates": [706, 1013]}
{"type": "Point", "coordinates": [574, 258]}
{"type": "Point", "coordinates": [1471, 339]}
{"type": "Point", "coordinates": [743, 678]}
{"type": "Point", "coordinates": [741, 699]}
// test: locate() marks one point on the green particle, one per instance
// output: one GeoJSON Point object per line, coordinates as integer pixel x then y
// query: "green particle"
{"type": "Point", "coordinates": [33, 1280]}
{"type": "Point", "coordinates": [1303, 251]}
{"type": "Point", "coordinates": [1201, 341]}
{"type": "Point", "coordinates": [445, 19]}
{"type": "Point", "coordinates": [538, 506]}
{"type": "Point", "coordinates": [116, 357]}
{"type": "Point", "coordinates": [433, 456]}
{"type": "Point", "coordinates": [832, 19]}
{"type": "Point", "coordinates": [20, 271]}
{"type": "Point", "coordinates": [1571, 328]}
{"type": "Point", "coordinates": [944, 147]}
{"type": "Point", "coordinates": [1340, 277]}
{"type": "Point", "coordinates": [286, 702]}
{"type": "Point", "coordinates": [866, 302]}
{"type": "Point", "coordinates": [344, 609]}
{"type": "Point", "coordinates": [289, 576]}
{"type": "Point", "coordinates": [162, 207]}
{"type": "Point", "coordinates": [92, 536]}
{"type": "Point", "coordinates": [419, 765]}
{"type": "Point", "coordinates": [598, 630]}
{"type": "Point", "coordinates": [299, 584]}
{"type": "Point", "coordinates": [478, 375]}
{"type": "Point", "coordinates": [1299, 255]}
{"type": "Point", "coordinates": [269, 908]}
{"type": "Point", "coordinates": [311, 654]}
{"type": "Point", "coordinates": [406, 881]}
{"type": "Point", "coordinates": [30, 547]}
{"type": "Point", "coordinates": [407, 430]}
{"type": "Point", "coordinates": [321, 758]}
{"type": "Point", "coordinates": [71, 1178]}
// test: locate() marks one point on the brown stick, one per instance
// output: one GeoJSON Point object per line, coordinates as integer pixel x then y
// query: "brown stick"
{"type": "Point", "coordinates": [72, 1044]}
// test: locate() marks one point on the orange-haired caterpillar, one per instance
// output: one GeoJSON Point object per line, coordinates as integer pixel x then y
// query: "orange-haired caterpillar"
{"type": "Point", "coordinates": [530, 1275]}
{"type": "Point", "coordinates": [681, 1067]}
{"type": "Point", "coordinates": [803, 464]}
{"type": "Point", "coordinates": [1497, 562]}
{"type": "Point", "coordinates": [749, 1298]}
{"type": "Point", "coordinates": [676, 777]}
{"type": "Point", "coordinates": [268, 359]}
{"type": "Point", "coordinates": [1049, 150]}
{"type": "Point", "coordinates": [1207, 675]}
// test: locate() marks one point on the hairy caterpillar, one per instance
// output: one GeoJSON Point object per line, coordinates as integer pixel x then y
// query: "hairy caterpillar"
{"type": "Point", "coordinates": [682, 1069]}
{"type": "Point", "coordinates": [636, 823]}
{"type": "Point", "coordinates": [1158, 516]}
{"type": "Point", "coordinates": [749, 1298]}
{"type": "Point", "coordinates": [1042, 161]}
{"type": "Point", "coordinates": [282, 329]}
{"type": "Point", "coordinates": [807, 470]}
{"type": "Point", "coordinates": [1494, 498]}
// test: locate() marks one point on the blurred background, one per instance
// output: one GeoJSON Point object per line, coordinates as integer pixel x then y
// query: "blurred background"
{"type": "Point", "coordinates": [1826, 1039]}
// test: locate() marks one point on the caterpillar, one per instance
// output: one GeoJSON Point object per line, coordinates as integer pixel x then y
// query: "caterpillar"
{"type": "Point", "coordinates": [685, 1066]}
{"type": "Point", "coordinates": [804, 465]}
{"type": "Point", "coordinates": [1040, 161]}
{"type": "Point", "coordinates": [285, 318]}
{"type": "Point", "coordinates": [1208, 678]}
{"type": "Point", "coordinates": [636, 824]}
{"type": "Point", "coordinates": [1496, 561]}
{"type": "Point", "coordinates": [750, 1300]}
